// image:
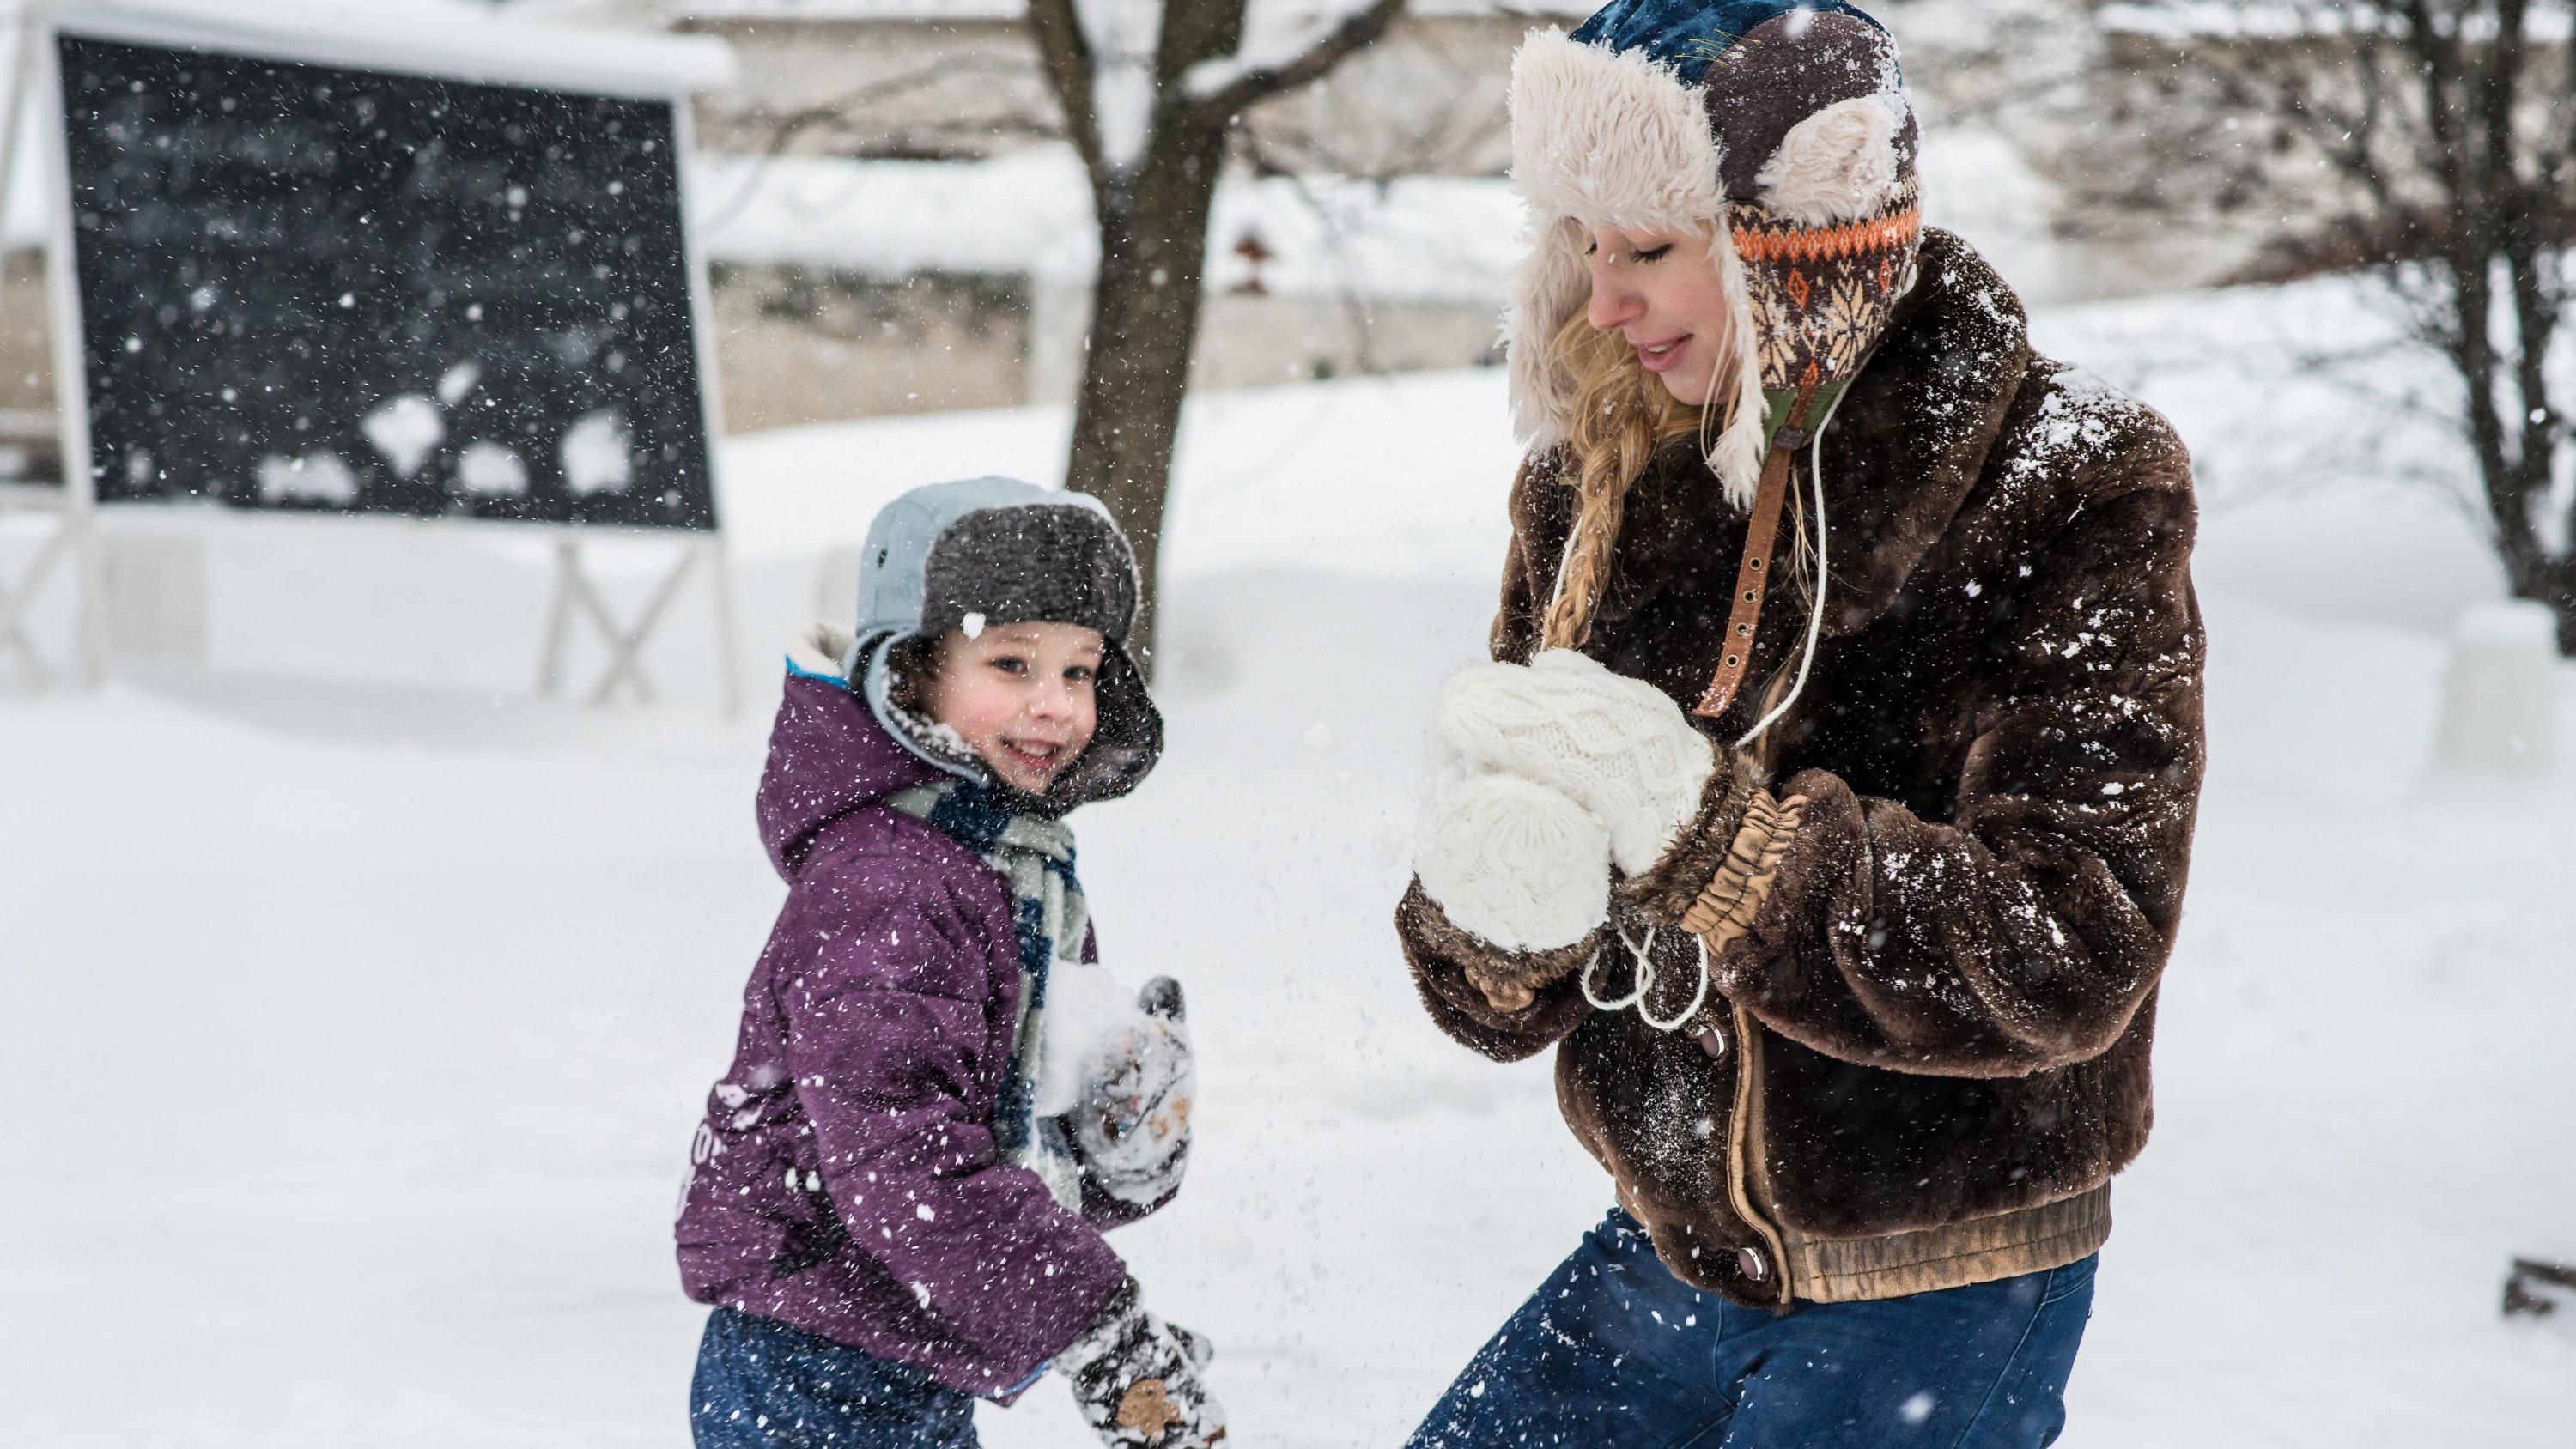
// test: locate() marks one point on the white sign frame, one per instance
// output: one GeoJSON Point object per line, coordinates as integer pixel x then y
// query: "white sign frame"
{"type": "Point", "coordinates": [496, 52]}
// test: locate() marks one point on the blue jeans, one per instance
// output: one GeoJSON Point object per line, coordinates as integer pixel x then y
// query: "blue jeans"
{"type": "Point", "coordinates": [763, 1385]}
{"type": "Point", "coordinates": [1614, 1352]}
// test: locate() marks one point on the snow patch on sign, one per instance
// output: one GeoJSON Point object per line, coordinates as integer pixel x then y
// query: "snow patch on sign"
{"type": "Point", "coordinates": [316, 477]}
{"type": "Point", "coordinates": [598, 454]}
{"type": "Point", "coordinates": [406, 429]}
{"type": "Point", "coordinates": [490, 470]}
{"type": "Point", "coordinates": [457, 381]}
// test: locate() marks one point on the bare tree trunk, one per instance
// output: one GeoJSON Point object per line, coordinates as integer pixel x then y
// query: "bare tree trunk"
{"type": "Point", "coordinates": [1153, 211]}
{"type": "Point", "coordinates": [2472, 89]}
{"type": "Point", "coordinates": [1144, 326]}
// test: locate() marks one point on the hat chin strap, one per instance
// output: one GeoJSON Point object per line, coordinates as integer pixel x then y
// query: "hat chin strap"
{"type": "Point", "coordinates": [1816, 610]}
{"type": "Point", "coordinates": [1761, 536]}
{"type": "Point", "coordinates": [1752, 571]}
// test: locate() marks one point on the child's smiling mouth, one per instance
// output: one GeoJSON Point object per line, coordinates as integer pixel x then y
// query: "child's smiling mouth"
{"type": "Point", "coordinates": [1036, 756]}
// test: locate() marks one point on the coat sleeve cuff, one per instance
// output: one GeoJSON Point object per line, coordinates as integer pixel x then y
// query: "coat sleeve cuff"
{"type": "Point", "coordinates": [1663, 894]}
{"type": "Point", "coordinates": [1443, 954]}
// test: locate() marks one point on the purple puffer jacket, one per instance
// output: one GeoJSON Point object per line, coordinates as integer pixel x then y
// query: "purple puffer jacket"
{"type": "Point", "coordinates": [845, 1179]}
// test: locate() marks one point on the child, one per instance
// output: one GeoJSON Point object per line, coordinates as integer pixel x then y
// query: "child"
{"type": "Point", "coordinates": [939, 1099]}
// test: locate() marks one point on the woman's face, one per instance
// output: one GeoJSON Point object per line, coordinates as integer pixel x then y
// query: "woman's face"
{"type": "Point", "coordinates": [1660, 291]}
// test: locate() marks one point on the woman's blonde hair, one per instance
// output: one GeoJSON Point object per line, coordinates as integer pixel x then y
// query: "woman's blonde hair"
{"type": "Point", "coordinates": [1621, 415]}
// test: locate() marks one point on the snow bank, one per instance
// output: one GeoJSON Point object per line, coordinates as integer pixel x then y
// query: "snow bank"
{"type": "Point", "coordinates": [2500, 691]}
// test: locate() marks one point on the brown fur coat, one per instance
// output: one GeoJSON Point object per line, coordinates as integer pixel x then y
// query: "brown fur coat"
{"type": "Point", "coordinates": [1953, 980]}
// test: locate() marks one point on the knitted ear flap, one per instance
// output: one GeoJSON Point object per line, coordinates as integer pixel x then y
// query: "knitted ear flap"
{"type": "Point", "coordinates": [1840, 164]}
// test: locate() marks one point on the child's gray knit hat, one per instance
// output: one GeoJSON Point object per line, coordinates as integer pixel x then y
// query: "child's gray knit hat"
{"type": "Point", "coordinates": [991, 551]}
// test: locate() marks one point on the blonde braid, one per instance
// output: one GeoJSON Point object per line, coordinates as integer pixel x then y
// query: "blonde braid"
{"type": "Point", "coordinates": [1621, 415]}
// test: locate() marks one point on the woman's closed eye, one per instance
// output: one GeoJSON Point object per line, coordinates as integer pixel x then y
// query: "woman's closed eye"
{"type": "Point", "coordinates": [1648, 254]}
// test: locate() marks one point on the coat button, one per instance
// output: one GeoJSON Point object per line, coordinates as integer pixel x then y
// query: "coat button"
{"type": "Point", "coordinates": [1712, 1040]}
{"type": "Point", "coordinates": [1750, 1262]}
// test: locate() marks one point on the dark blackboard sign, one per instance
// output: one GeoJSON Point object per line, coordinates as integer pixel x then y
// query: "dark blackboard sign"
{"type": "Point", "coordinates": [312, 287]}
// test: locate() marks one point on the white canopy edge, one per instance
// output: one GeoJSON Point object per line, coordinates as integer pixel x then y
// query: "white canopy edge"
{"type": "Point", "coordinates": [446, 40]}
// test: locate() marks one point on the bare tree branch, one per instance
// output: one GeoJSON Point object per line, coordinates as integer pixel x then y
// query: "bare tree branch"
{"type": "Point", "coordinates": [1358, 30]}
{"type": "Point", "coordinates": [1067, 55]}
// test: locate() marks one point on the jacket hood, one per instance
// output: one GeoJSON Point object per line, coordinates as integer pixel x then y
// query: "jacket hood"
{"type": "Point", "coordinates": [828, 756]}
{"type": "Point", "coordinates": [987, 551]}
{"type": "Point", "coordinates": [1781, 131]}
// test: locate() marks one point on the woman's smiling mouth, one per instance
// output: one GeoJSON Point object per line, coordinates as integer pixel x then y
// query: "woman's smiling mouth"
{"type": "Point", "coordinates": [1660, 356]}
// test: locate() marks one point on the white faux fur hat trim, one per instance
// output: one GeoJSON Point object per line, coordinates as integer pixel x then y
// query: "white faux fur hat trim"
{"type": "Point", "coordinates": [1612, 138]}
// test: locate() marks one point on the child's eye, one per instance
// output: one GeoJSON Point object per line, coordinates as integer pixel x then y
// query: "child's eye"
{"type": "Point", "coordinates": [1080, 673]}
{"type": "Point", "coordinates": [1010, 664]}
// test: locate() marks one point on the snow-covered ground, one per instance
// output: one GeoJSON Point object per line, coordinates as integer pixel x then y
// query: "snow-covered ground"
{"type": "Point", "coordinates": [356, 1007]}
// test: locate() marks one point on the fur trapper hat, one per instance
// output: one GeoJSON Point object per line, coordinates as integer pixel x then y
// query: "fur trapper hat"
{"type": "Point", "coordinates": [1782, 129]}
{"type": "Point", "coordinates": [994, 551]}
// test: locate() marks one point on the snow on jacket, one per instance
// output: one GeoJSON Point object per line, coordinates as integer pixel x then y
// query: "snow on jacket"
{"type": "Point", "coordinates": [1936, 1052]}
{"type": "Point", "coordinates": [845, 1180]}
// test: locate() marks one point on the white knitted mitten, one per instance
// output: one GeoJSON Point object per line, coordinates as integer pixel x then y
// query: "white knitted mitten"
{"type": "Point", "coordinates": [1616, 746]}
{"type": "Point", "coordinates": [1515, 863]}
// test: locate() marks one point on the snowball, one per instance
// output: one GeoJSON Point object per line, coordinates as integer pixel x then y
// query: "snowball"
{"type": "Point", "coordinates": [1084, 1006]}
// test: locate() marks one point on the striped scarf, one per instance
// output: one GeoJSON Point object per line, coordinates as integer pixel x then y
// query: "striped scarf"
{"type": "Point", "coordinates": [1034, 856]}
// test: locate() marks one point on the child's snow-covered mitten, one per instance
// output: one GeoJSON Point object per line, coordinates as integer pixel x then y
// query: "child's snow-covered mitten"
{"type": "Point", "coordinates": [1132, 1127]}
{"type": "Point", "coordinates": [1137, 1378]}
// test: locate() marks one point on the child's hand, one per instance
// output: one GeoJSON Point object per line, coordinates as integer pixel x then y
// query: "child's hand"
{"type": "Point", "coordinates": [1132, 1126]}
{"type": "Point", "coordinates": [1137, 1378]}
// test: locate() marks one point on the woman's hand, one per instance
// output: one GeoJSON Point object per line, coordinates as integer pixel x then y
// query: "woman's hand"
{"type": "Point", "coordinates": [1518, 865]}
{"type": "Point", "coordinates": [1618, 747]}
{"type": "Point", "coordinates": [1542, 776]}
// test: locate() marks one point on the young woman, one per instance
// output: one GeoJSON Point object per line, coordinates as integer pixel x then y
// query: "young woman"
{"type": "Point", "coordinates": [1829, 802]}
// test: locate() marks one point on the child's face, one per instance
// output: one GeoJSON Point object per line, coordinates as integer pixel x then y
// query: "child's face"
{"type": "Point", "coordinates": [1020, 695]}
